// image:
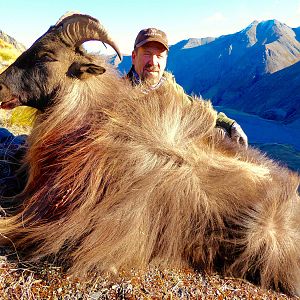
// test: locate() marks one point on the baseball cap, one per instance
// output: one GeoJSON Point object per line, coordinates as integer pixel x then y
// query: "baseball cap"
{"type": "Point", "coordinates": [151, 35]}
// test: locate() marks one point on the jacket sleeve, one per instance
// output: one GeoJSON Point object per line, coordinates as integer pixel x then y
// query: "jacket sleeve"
{"type": "Point", "coordinates": [224, 122]}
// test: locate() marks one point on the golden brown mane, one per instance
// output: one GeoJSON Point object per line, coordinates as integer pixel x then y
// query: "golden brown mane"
{"type": "Point", "coordinates": [119, 180]}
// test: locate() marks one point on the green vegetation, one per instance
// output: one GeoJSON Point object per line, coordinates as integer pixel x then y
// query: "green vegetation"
{"type": "Point", "coordinates": [23, 116]}
{"type": "Point", "coordinates": [19, 120]}
{"type": "Point", "coordinates": [8, 53]}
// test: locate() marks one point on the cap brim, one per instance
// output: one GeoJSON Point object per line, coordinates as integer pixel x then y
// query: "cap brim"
{"type": "Point", "coordinates": [151, 40]}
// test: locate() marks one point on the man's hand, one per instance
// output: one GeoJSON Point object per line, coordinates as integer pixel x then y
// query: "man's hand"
{"type": "Point", "coordinates": [232, 129]}
{"type": "Point", "coordinates": [238, 135]}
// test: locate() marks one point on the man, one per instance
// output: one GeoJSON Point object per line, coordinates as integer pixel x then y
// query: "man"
{"type": "Point", "coordinates": [149, 60]}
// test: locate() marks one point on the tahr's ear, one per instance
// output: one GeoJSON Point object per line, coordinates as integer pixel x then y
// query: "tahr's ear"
{"type": "Point", "coordinates": [83, 70]}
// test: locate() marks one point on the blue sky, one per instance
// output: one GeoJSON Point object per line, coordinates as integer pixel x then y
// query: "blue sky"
{"type": "Point", "coordinates": [27, 20]}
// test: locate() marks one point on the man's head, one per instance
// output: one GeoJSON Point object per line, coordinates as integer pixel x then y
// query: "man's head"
{"type": "Point", "coordinates": [149, 56]}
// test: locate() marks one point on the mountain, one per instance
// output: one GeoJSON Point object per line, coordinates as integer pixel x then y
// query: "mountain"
{"type": "Point", "coordinates": [225, 68]}
{"type": "Point", "coordinates": [10, 40]}
{"type": "Point", "coordinates": [253, 70]}
{"type": "Point", "coordinates": [10, 49]}
{"type": "Point", "coordinates": [297, 32]}
{"type": "Point", "coordinates": [123, 66]}
{"type": "Point", "coordinates": [279, 141]}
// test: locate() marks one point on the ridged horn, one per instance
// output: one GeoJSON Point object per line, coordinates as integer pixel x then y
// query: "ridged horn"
{"type": "Point", "coordinates": [77, 28]}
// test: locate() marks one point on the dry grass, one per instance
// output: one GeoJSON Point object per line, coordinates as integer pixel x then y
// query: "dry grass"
{"type": "Point", "coordinates": [49, 282]}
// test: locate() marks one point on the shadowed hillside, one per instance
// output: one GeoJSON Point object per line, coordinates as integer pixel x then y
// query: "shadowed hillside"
{"type": "Point", "coordinates": [276, 96]}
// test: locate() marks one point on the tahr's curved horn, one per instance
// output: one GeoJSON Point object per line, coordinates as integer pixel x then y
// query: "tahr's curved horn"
{"type": "Point", "coordinates": [78, 28]}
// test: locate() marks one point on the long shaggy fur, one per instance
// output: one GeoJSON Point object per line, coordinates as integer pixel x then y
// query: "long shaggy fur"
{"type": "Point", "coordinates": [118, 179]}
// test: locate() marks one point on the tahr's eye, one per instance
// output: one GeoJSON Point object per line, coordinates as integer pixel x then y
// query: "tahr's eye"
{"type": "Point", "coordinates": [46, 57]}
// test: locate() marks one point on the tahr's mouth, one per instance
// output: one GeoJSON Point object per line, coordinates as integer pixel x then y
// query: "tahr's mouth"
{"type": "Point", "coordinates": [11, 103]}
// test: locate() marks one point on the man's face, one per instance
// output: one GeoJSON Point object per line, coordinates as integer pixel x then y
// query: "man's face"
{"type": "Point", "coordinates": [150, 62]}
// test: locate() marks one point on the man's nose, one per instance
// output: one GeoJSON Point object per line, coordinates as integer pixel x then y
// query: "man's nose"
{"type": "Point", "coordinates": [154, 60]}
